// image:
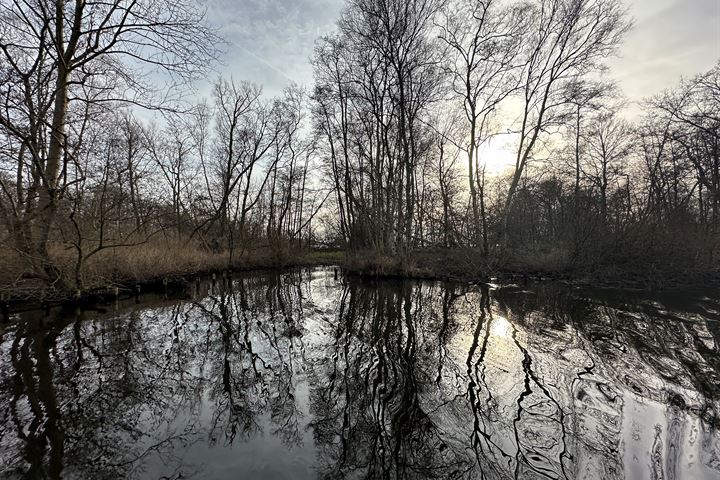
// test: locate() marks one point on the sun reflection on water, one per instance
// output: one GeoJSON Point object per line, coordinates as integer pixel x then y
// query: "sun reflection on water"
{"type": "Point", "coordinates": [500, 327]}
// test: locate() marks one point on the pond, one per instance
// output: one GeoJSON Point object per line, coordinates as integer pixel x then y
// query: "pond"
{"type": "Point", "coordinates": [307, 374]}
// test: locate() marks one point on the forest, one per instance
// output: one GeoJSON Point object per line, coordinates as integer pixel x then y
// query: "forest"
{"type": "Point", "coordinates": [114, 170]}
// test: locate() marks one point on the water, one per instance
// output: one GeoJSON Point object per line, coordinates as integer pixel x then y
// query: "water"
{"type": "Point", "coordinates": [302, 375]}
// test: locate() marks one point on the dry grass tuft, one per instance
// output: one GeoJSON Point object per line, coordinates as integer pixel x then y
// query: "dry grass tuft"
{"type": "Point", "coordinates": [160, 258]}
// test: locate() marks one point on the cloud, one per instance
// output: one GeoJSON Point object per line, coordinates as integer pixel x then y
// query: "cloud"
{"type": "Point", "coordinates": [271, 40]}
{"type": "Point", "coordinates": [671, 39]}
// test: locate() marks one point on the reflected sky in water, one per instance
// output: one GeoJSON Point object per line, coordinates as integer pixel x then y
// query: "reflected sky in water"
{"type": "Point", "coordinates": [303, 375]}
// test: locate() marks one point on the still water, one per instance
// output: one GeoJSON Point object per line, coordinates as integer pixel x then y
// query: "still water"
{"type": "Point", "coordinates": [302, 375]}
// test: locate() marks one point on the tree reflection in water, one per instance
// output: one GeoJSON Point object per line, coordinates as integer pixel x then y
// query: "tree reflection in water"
{"type": "Point", "coordinates": [300, 375]}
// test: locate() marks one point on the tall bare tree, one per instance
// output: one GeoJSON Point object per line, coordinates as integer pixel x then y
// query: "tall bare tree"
{"type": "Point", "coordinates": [485, 40]}
{"type": "Point", "coordinates": [59, 54]}
{"type": "Point", "coordinates": [567, 41]}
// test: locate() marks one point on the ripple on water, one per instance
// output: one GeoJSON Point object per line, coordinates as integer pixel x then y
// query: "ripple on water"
{"type": "Point", "coordinates": [304, 375]}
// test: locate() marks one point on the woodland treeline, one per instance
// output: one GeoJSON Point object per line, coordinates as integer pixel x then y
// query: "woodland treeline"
{"type": "Point", "coordinates": [112, 168]}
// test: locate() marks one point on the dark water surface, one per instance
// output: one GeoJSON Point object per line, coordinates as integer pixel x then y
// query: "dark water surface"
{"type": "Point", "coordinates": [301, 375]}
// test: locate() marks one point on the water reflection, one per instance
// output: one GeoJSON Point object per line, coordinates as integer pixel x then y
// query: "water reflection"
{"type": "Point", "coordinates": [301, 375]}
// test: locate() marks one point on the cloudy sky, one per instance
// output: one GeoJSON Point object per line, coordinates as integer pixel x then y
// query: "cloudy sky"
{"type": "Point", "coordinates": [271, 40]}
{"type": "Point", "coordinates": [671, 39]}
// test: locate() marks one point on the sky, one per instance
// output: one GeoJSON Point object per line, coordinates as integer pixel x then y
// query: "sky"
{"type": "Point", "coordinates": [671, 39]}
{"type": "Point", "coordinates": [270, 41]}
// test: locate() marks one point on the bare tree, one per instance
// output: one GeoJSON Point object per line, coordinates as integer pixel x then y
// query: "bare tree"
{"type": "Point", "coordinates": [568, 39]}
{"type": "Point", "coordinates": [609, 143]}
{"type": "Point", "coordinates": [485, 41]}
{"type": "Point", "coordinates": [57, 54]}
{"type": "Point", "coordinates": [375, 81]}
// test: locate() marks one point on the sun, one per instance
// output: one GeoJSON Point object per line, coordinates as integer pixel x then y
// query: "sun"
{"type": "Point", "coordinates": [496, 154]}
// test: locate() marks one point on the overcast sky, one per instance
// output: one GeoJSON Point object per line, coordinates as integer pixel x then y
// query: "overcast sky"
{"type": "Point", "coordinates": [271, 41]}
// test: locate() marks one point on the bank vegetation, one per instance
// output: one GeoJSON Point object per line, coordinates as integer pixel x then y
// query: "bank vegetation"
{"type": "Point", "coordinates": [113, 172]}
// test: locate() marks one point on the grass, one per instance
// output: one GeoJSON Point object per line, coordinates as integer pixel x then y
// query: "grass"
{"type": "Point", "coordinates": [447, 264]}
{"type": "Point", "coordinates": [174, 260]}
{"type": "Point", "coordinates": [539, 263]}
{"type": "Point", "coordinates": [169, 260]}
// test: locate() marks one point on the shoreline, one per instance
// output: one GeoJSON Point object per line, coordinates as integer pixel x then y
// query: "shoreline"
{"type": "Point", "coordinates": [423, 267]}
{"type": "Point", "coordinates": [19, 301]}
